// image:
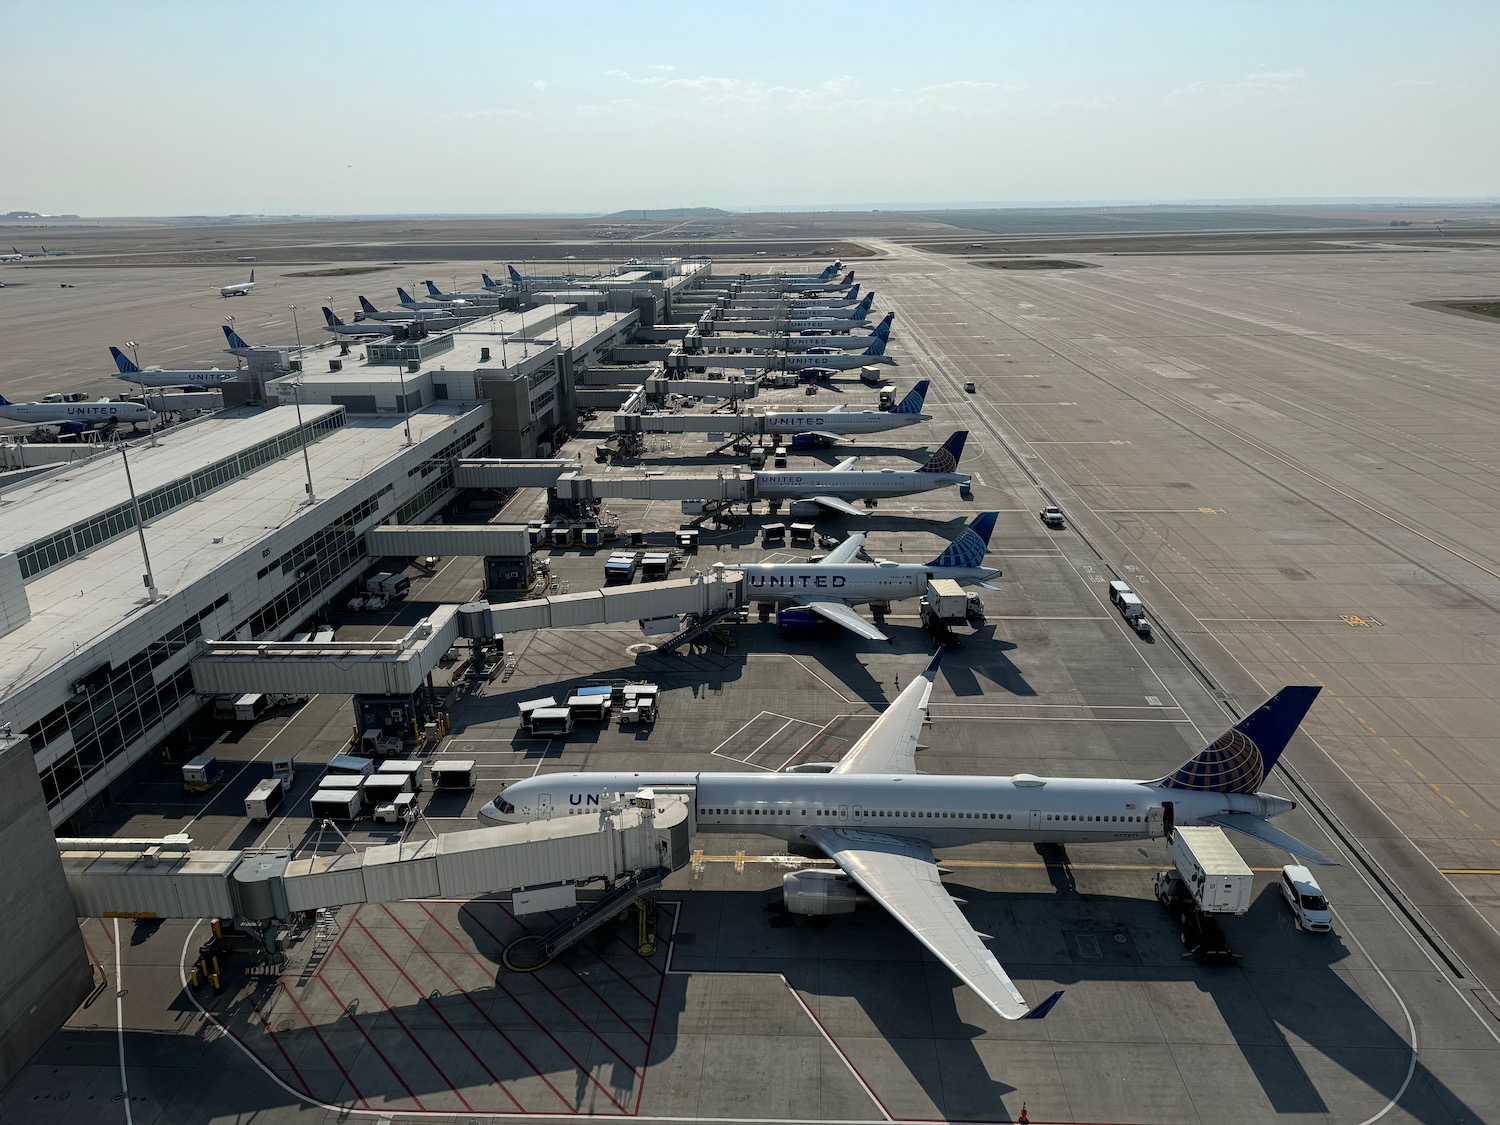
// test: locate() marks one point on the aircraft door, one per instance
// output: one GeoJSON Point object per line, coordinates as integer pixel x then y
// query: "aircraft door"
{"type": "Point", "coordinates": [1036, 820]}
{"type": "Point", "coordinates": [544, 806]}
{"type": "Point", "coordinates": [859, 815]}
{"type": "Point", "coordinates": [844, 812]}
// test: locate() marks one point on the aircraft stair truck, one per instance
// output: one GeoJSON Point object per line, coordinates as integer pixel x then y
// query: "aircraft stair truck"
{"type": "Point", "coordinates": [1208, 880]}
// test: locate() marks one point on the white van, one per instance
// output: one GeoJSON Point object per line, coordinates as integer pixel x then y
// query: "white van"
{"type": "Point", "coordinates": [1308, 903]}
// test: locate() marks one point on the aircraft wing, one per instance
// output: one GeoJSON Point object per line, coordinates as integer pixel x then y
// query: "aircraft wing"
{"type": "Point", "coordinates": [836, 409]}
{"type": "Point", "coordinates": [843, 616]}
{"type": "Point", "coordinates": [846, 551]}
{"type": "Point", "coordinates": [1268, 833]}
{"type": "Point", "coordinates": [902, 876]}
{"type": "Point", "coordinates": [837, 504]}
{"type": "Point", "coordinates": [845, 465]}
{"type": "Point", "coordinates": [890, 745]}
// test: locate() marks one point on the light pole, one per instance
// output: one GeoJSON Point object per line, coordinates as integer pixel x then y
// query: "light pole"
{"type": "Point", "coordinates": [405, 413]}
{"type": "Point", "coordinates": [140, 528]}
{"type": "Point", "coordinates": [312, 497]}
{"type": "Point", "coordinates": [146, 391]}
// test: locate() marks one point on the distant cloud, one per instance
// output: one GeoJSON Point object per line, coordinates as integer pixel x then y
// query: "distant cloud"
{"type": "Point", "coordinates": [1098, 101]}
{"type": "Point", "coordinates": [721, 96]}
{"type": "Point", "coordinates": [1258, 84]}
{"type": "Point", "coordinates": [538, 83]}
{"type": "Point", "coordinates": [502, 113]}
{"type": "Point", "coordinates": [1415, 84]}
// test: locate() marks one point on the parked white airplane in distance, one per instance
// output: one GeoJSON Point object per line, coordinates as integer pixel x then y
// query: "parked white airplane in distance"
{"type": "Point", "coordinates": [838, 424]}
{"type": "Point", "coordinates": [16, 256]}
{"type": "Point", "coordinates": [836, 583]}
{"type": "Point", "coordinates": [494, 287]}
{"type": "Point", "coordinates": [75, 417]}
{"type": "Point", "coordinates": [822, 338]}
{"type": "Point", "coordinates": [858, 311]}
{"type": "Point", "coordinates": [796, 286]}
{"type": "Point", "coordinates": [368, 311]}
{"type": "Point", "coordinates": [813, 362]}
{"type": "Point", "coordinates": [364, 328]}
{"type": "Point", "coordinates": [242, 289]}
{"type": "Point", "coordinates": [410, 302]}
{"type": "Point", "coordinates": [155, 376]}
{"type": "Point", "coordinates": [541, 279]}
{"type": "Point", "coordinates": [239, 346]}
{"type": "Point", "coordinates": [880, 820]}
{"type": "Point", "coordinates": [783, 301]}
{"type": "Point", "coordinates": [725, 321]}
{"type": "Point", "coordinates": [835, 488]}
{"type": "Point", "coordinates": [485, 298]}
{"type": "Point", "coordinates": [42, 253]}
{"type": "Point", "coordinates": [780, 277]}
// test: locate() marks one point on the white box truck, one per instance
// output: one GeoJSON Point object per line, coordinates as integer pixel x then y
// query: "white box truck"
{"type": "Point", "coordinates": [335, 804]}
{"type": "Point", "coordinates": [946, 600]}
{"type": "Point", "coordinates": [1208, 871]}
{"type": "Point", "coordinates": [265, 799]}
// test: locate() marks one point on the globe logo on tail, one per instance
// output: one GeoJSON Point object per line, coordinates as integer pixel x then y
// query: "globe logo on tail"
{"type": "Point", "coordinates": [1231, 764]}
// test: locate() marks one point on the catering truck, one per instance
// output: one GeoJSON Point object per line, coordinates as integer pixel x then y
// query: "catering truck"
{"type": "Point", "coordinates": [1207, 870]}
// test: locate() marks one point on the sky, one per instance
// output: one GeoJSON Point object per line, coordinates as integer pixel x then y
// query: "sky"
{"type": "Point", "coordinates": [173, 108]}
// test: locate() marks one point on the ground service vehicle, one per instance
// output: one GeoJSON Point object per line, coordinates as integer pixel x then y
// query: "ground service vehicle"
{"type": "Point", "coordinates": [945, 600]}
{"type": "Point", "coordinates": [388, 586]}
{"type": "Point", "coordinates": [351, 764]}
{"type": "Point", "coordinates": [201, 773]}
{"type": "Point", "coordinates": [1052, 516]}
{"type": "Point", "coordinates": [264, 799]}
{"type": "Point", "coordinates": [335, 804]}
{"type": "Point", "coordinates": [452, 773]}
{"type": "Point", "coordinates": [1306, 899]}
{"type": "Point", "coordinates": [250, 706]}
{"type": "Point", "coordinates": [1215, 877]}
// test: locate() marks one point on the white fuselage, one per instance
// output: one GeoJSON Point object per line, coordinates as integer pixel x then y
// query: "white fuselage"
{"type": "Point", "coordinates": [851, 583]}
{"type": "Point", "coordinates": [434, 306]}
{"type": "Point", "coordinates": [797, 312]}
{"type": "Point", "coordinates": [940, 810]}
{"type": "Point", "coordinates": [240, 290]}
{"type": "Point", "coordinates": [367, 328]}
{"type": "Point", "coordinates": [398, 316]}
{"type": "Point", "coordinates": [838, 421]}
{"type": "Point", "coordinates": [156, 377]}
{"type": "Point", "coordinates": [83, 413]}
{"type": "Point", "coordinates": [851, 484]}
{"type": "Point", "coordinates": [835, 361]}
{"type": "Point", "coordinates": [730, 323]}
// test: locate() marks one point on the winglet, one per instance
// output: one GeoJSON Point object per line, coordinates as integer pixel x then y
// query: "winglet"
{"type": "Point", "coordinates": [937, 659]}
{"type": "Point", "coordinates": [1041, 1010]}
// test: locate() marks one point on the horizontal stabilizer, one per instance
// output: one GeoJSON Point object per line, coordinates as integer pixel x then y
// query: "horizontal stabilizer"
{"type": "Point", "coordinates": [1268, 833]}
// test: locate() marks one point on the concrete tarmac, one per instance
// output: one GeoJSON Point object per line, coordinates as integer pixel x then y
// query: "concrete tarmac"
{"type": "Point", "coordinates": [1287, 459]}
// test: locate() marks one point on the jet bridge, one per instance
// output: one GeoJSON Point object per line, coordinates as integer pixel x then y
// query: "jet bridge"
{"type": "Point", "coordinates": [637, 835]}
{"type": "Point", "coordinates": [735, 486]}
{"type": "Point", "coordinates": [400, 667]}
{"type": "Point", "coordinates": [520, 472]}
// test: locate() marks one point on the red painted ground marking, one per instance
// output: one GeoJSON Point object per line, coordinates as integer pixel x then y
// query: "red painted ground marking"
{"type": "Point", "coordinates": [378, 1052]}
{"type": "Point", "coordinates": [417, 1043]}
{"type": "Point", "coordinates": [108, 936]}
{"type": "Point", "coordinates": [529, 1014]}
{"type": "Point", "coordinates": [314, 1029]}
{"type": "Point", "coordinates": [661, 986]}
{"type": "Point", "coordinates": [436, 1010]}
{"type": "Point", "coordinates": [584, 980]}
{"type": "Point", "coordinates": [583, 1023]}
{"type": "Point", "coordinates": [520, 1054]}
{"type": "Point", "coordinates": [260, 1011]}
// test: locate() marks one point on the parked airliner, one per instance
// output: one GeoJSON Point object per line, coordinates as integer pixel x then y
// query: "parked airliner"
{"type": "Point", "coordinates": [880, 820]}
{"type": "Point", "coordinates": [368, 311]}
{"type": "Point", "coordinates": [242, 289]}
{"type": "Point", "coordinates": [156, 376]}
{"type": "Point", "coordinates": [239, 346]}
{"type": "Point", "coordinates": [437, 294]}
{"type": "Point", "coordinates": [835, 488]}
{"type": "Point", "coordinates": [541, 279]}
{"type": "Point", "coordinates": [410, 302]}
{"type": "Point", "coordinates": [859, 311]}
{"type": "Point", "coordinates": [763, 300]}
{"type": "Point", "coordinates": [838, 424]}
{"type": "Point", "coordinates": [75, 417]}
{"type": "Point", "coordinates": [826, 360]}
{"type": "Point", "coordinates": [364, 328]}
{"type": "Point", "coordinates": [833, 585]}
{"type": "Point", "coordinates": [815, 338]}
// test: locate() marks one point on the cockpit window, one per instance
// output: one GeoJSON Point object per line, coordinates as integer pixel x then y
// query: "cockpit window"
{"type": "Point", "coordinates": [505, 807]}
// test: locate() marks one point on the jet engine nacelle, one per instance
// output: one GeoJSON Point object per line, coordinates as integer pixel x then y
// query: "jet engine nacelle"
{"type": "Point", "coordinates": [818, 892]}
{"type": "Point", "coordinates": [809, 767]}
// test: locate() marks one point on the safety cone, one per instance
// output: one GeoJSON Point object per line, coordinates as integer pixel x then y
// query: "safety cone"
{"type": "Point", "coordinates": [1023, 1119]}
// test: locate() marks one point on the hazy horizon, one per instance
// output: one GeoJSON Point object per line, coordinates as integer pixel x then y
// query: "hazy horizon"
{"type": "Point", "coordinates": [164, 110]}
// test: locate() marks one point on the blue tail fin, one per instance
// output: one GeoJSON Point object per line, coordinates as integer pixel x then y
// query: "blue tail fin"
{"type": "Point", "coordinates": [883, 329]}
{"type": "Point", "coordinates": [1240, 758]}
{"type": "Point", "coordinates": [122, 361]}
{"type": "Point", "coordinates": [912, 403]}
{"type": "Point", "coordinates": [515, 277]}
{"type": "Point", "coordinates": [969, 549]}
{"type": "Point", "coordinates": [864, 306]}
{"type": "Point", "coordinates": [433, 291]}
{"type": "Point", "coordinates": [252, 277]}
{"type": "Point", "coordinates": [5, 401]}
{"type": "Point", "coordinates": [827, 275]}
{"type": "Point", "coordinates": [851, 295]}
{"type": "Point", "coordinates": [945, 460]}
{"type": "Point", "coordinates": [333, 321]}
{"type": "Point", "coordinates": [234, 339]}
{"type": "Point", "coordinates": [404, 295]}
{"type": "Point", "coordinates": [849, 277]}
{"type": "Point", "coordinates": [365, 306]}
{"type": "Point", "coordinates": [489, 282]}
{"type": "Point", "coordinates": [877, 346]}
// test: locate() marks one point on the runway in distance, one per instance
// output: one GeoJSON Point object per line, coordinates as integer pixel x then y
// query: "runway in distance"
{"type": "Point", "coordinates": [832, 586]}
{"type": "Point", "coordinates": [241, 289]}
{"type": "Point", "coordinates": [160, 377]}
{"type": "Point", "coordinates": [835, 488]}
{"type": "Point", "coordinates": [75, 417]}
{"type": "Point", "coordinates": [838, 424]}
{"type": "Point", "coordinates": [880, 820]}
